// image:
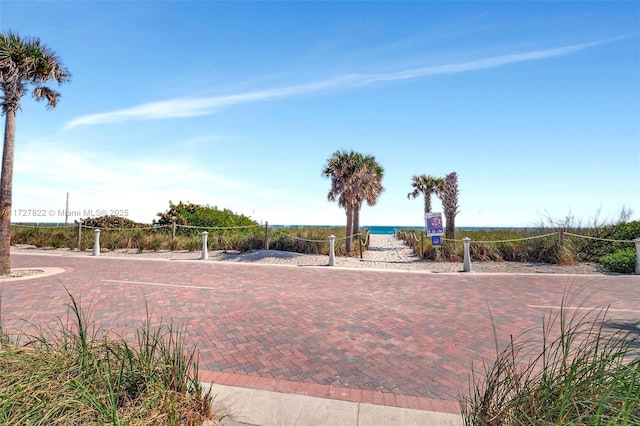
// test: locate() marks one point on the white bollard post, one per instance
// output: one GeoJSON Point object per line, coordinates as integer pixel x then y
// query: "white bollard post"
{"type": "Point", "coordinates": [205, 253]}
{"type": "Point", "coordinates": [637, 241]}
{"type": "Point", "coordinates": [332, 250]}
{"type": "Point", "coordinates": [466, 264]}
{"type": "Point", "coordinates": [96, 242]}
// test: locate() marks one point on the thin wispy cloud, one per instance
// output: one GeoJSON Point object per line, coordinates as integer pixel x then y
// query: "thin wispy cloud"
{"type": "Point", "coordinates": [192, 107]}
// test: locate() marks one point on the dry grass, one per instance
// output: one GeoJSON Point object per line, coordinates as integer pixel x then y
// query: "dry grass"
{"type": "Point", "coordinates": [499, 246]}
{"type": "Point", "coordinates": [307, 240]}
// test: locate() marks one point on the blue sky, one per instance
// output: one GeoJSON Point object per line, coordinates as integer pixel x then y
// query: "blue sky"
{"type": "Point", "coordinates": [536, 106]}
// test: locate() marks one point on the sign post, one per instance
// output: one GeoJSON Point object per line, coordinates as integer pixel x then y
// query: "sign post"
{"type": "Point", "coordinates": [434, 227]}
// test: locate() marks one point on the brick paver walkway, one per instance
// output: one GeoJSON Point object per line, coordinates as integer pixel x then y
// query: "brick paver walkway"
{"type": "Point", "coordinates": [395, 338]}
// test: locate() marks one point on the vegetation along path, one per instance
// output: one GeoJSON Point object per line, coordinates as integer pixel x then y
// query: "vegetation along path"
{"type": "Point", "coordinates": [393, 338]}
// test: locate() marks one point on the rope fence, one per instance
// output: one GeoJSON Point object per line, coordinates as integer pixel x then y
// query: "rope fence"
{"type": "Point", "coordinates": [600, 239]}
{"type": "Point", "coordinates": [411, 237]}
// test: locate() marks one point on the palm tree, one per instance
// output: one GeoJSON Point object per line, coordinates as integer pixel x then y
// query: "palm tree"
{"type": "Point", "coordinates": [426, 185]}
{"type": "Point", "coordinates": [368, 188]}
{"type": "Point", "coordinates": [22, 62]}
{"type": "Point", "coordinates": [354, 179]}
{"type": "Point", "coordinates": [450, 203]}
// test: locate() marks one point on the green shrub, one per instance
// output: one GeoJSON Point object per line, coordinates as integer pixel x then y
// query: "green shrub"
{"type": "Point", "coordinates": [590, 250]}
{"type": "Point", "coordinates": [205, 216]}
{"type": "Point", "coordinates": [105, 222]}
{"type": "Point", "coordinates": [623, 261]}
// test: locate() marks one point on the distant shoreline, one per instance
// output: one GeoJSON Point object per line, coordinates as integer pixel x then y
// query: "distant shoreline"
{"type": "Point", "coordinates": [375, 230]}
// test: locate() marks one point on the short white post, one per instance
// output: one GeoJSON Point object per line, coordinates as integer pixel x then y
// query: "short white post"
{"type": "Point", "coordinates": [332, 250]}
{"type": "Point", "coordinates": [205, 253]}
{"type": "Point", "coordinates": [79, 232]}
{"type": "Point", "coordinates": [96, 242]}
{"type": "Point", "coordinates": [466, 264]}
{"type": "Point", "coordinates": [637, 241]}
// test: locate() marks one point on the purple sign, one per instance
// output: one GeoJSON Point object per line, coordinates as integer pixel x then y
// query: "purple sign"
{"type": "Point", "coordinates": [434, 224]}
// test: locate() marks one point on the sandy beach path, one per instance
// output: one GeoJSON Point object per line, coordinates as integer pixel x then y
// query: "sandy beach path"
{"type": "Point", "coordinates": [388, 249]}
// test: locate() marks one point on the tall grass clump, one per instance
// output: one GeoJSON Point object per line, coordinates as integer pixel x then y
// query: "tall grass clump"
{"type": "Point", "coordinates": [499, 245]}
{"type": "Point", "coordinates": [78, 376]}
{"type": "Point", "coordinates": [585, 372]}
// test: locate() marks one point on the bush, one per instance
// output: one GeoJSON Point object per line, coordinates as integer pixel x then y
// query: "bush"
{"type": "Point", "coordinates": [623, 261]}
{"type": "Point", "coordinates": [105, 222]}
{"type": "Point", "coordinates": [590, 250]}
{"type": "Point", "coordinates": [204, 216]}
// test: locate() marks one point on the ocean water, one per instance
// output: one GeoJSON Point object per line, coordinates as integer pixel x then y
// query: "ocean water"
{"type": "Point", "coordinates": [375, 230]}
{"type": "Point", "coordinates": [390, 230]}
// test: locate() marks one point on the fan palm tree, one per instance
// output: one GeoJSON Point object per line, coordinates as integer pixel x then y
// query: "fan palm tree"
{"type": "Point", "coordinates": [23, 61]}
{"type": "Point", "coordinates": [426, 185]}
{"type": "Point", "coordinates": [354, 179]}
{"type": "Point", "coordinates": [450, 203]}
{"type": "Point", "coordinates": [368, 188]}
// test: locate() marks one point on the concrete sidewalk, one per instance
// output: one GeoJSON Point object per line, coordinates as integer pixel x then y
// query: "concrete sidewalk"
{"type": "Point", "coordinates": [265, 408]}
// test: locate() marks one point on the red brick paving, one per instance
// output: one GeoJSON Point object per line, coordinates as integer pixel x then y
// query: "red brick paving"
{"type": "Point", "coordinates": [393, 338]}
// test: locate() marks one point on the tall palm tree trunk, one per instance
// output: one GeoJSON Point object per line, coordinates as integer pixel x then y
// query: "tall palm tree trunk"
{"type": "Point", "coordinates": [356, 222]}
{"type": "Point", "coordinates": [427, 202]}
{"type": "Point", "coordinates": [349, 209]}
{"type": "Point", "coordinates": [5, 191]}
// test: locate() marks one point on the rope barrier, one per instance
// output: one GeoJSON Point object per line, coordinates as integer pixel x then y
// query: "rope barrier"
{"type": "Point", "coordinates": [517, 239]}
{"type": "Point", "coordinates": [344, 238]}
{"type": "Point", "coordinates": [19, 225]}
{"type": "Point", "coordinates": [125, 229]}
{"type": "Point", "coordinates": [304, 239]}
{"type": "Point", "coordinates": [217, 227]}
{"type": "Point", "coordinates": [496, 241]}
{"type": "Point", "coordinates": [599, 239]}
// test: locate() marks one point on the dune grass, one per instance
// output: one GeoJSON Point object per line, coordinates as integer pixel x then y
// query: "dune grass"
{"type": "Point", "coordinates": [498, 245]}
{"type": "Point", "coordinates": [308, 240]}
{"type": "Point", "coordinates": [79, 376]}
{"type": "Point", "coordinates": [585, 372]}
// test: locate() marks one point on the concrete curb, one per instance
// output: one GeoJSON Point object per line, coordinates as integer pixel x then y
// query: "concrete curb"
{"type": "Point", "coordinates": [256, 407]}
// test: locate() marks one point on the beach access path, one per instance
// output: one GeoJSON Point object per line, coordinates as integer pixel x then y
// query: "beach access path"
{"type": "Point", "coordinates": [382, 337]}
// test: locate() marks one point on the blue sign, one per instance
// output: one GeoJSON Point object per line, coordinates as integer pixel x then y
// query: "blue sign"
{"type": "Point", "coordinates": [434, 224]}
{"type": "Point", "coordinates": [436, 241]}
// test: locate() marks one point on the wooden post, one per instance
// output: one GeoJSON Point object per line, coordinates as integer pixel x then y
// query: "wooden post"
{"type": "Point", "coordinates": [421, 244]}
{"type": "Point", "coordinates": [561, 236]}
{"type": "Point", "coordinates": [173, 230]}
{"type": "Point", "coordinates": [266, 235]}
{"type": "Point", "coordinates": [360, 244]}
